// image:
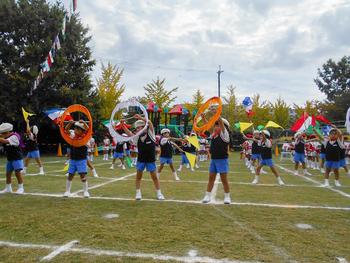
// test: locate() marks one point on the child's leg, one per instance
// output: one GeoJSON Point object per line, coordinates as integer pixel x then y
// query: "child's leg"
{"type": "Point", "coordinates": [18, 174]}
{"type": "Point", "coordinates": [155, 180]}
{"type": "Point", "coordinates": [336, 173]}
{"type": "Point", "coordinates": [26, 162]}
{"type": "Point", "coordinates": [223, 177]}
{"type": "Point", "coordinates": [211, 181]}
{"type": "Point", "coordinates": [85, 184]}
{"type": "Point", "coordinates": [274, 171]}
{"type": "Point", "coordinates": [160, 168]}
{"type": "Point", "coordinates": [172, 167]}
{"type": "Point", "coordinates": [138, 179]}
{"type": "Point", "coordinates": [8, 177]}
{"type": "Point", "coordinates": [38, 161]}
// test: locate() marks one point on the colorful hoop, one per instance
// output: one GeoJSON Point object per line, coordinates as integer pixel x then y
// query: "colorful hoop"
{"type": "Point", "coordinates": [210, 123]}
{"type": "Point", "coordinates": [76, 142]}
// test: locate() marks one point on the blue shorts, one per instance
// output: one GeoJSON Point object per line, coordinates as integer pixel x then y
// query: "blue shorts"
{"type": "Point", "coordinates": [166, 160]}
{"type": "Point", "coordinates": [127, 152]}
{"type": "Point", "coordinates": [322, 156]}
{"type": "Point", "coordinates": [342, 163]}
{"type": "Point", "coordinates": [332, 164]}
{"type": "Point", "coordinates": [33, 154]}
{"type": "Point", "coordinates": [77, 166]}
{"type": "Point", "coordinates": [184, 159]}
{"type": "Point", "coordinates": [14, 165]}
{"type": "Point", "coordinates": [267, 162]}
{"type": "Point", "coordinates": [118, 155]}
{"type": "Point", "coordinates": [256, 156]}
{"type": "Point", "coordinates": [150, 167]}
{"type": "Point", "coordinates": [299, 157]}
{"type": "Point", "coordinates": [218, 166]}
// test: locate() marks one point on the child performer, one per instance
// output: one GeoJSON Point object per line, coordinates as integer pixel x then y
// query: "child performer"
{"type": "Point", "coordinates": [32, 148]}
{"type": "Point", "coordinates": [146, 145]}
{"type": "Point", "coordinates": [78, 161]}
{"type": "Point", "coordinates": [11, 141]}
{"type": "Point", "coordinates": [299, 155]}
{"type": "Point", "coordinates": [219, 159]}
{"type": "Point", "coordinates": [333, 146]}
{"type": "Point", "coordinates": [186, 147]}
{"type": "Point", "coordinates": [166, 152]}
{"type": "Point", "coordinates": [256, 150]}
{"type": "Point", "coordinates": [106, 145]}
{"type": "Point", "coordinates": [266, 157]}
{"type": "Point", "coordinates": [118, 154]}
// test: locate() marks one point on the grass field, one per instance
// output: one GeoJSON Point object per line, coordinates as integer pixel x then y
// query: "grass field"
{"type": "Point", "coordinates": [259, 226]}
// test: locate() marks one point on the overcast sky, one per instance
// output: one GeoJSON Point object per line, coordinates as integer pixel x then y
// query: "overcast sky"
{"type": "Point", "coordinates": [269, 47]}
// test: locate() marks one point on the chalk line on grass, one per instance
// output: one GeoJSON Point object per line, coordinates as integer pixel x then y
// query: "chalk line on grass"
{"type": "Point", "coordinates": [278, 251]}
{"type": "Point", "coordinates": [113, 253]}
{"type": "Point", "coordinates": [60, 250]}
{"type": "Point", "coordinates": [199, 202]}
{"type": "Point", "coordinates": [315, 182]}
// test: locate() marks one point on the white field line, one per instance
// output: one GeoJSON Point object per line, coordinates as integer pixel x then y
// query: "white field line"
{"type": "Point", "coordinates": [113, 253]}
{"type": "Point", "coordinates": [279, 251]}
{"type": "Point", "coordinates": [59, 250]}
{"type": "Point", "coordinates": [316, 182]}
{"type": "Point", "coordinates": [105, 183]}
{"type": "Point", "coordinates": [200, 203]}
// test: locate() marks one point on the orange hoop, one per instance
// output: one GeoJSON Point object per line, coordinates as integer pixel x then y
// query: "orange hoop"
{"type": "Point", "coordinates": [76, 142]}
{"type": "Point", "coordinates": [213, 119]}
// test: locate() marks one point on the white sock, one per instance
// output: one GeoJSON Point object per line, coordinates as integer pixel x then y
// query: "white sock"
{"type": "Point", "coordinates": [326, 181]}
{"type": "Point", "coordinates": [9, 187]}
{"type": "Point", "coordinates": [20, 186]}
{"type": "Point", "coordinates": [138, 191]}
{"type": "Point", "coordinates": [94, 171]}
{"type": "Point", "coordinates": [24, 170]}
{"type": "Point", "coordinates": [68, 185]}
{"type": "Point", "coordinates": [85, 186]}
{"type": "Point", "coordinates": [41, 169]}
{"type": "Point", "coordinates": [227, 195]}
{"type": "Point", "coordinates": [159, 192]}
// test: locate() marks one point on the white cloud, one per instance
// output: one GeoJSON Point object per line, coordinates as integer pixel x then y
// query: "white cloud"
{"type": "Point", "coordinates": [269, 47]}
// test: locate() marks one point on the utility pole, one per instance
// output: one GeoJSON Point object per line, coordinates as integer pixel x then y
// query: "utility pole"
{"type": "Point", "coordinates": [219, 73]}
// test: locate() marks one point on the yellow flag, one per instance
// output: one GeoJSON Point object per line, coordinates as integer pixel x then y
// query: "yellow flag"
{"type": "Point", "coordinates": [272, 125]}
{"type": "Point", "coordinates": [244, 125]}
{"type": "Point", "coordinates": [194, 141]}
{"type": "Point", "coordinates": [26, 114]}
{"type": "Point", "coordinates": [191, 158]}
{"type": "Point", "coordinates": [65, 169]}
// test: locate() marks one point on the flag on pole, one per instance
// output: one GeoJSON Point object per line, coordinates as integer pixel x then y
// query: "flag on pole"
{"type": "Point", "coordinates": [191, 158]}
{"type": "Point", "coordinates": [26, 114]}
{"type": "Point", "coordinates": [272, 125]}
{"type": "Point", "coordinates": [194, 141]}
{"type": "Point", "coordinates": [244, 125]}
{"type": "Point", "coordinates": [248, 106]}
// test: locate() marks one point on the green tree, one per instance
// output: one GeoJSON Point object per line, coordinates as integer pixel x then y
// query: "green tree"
{"type": "Point", "coordinates": [280, 112]}
{"type": "Point", "coordinates": [156, 92]}
{"type": "Point", "coordinates": [27, 31]}
{"type": "Point", "coordinates": [311, 107]}
{"type": "Point", "coordinates": [231, 110]}
{"type": "Point", "coordinates": [109, 89]}
{"type": "Point", "coordinates": [262, 111]}
{"type": "Point", "coordinates": [196, 103]}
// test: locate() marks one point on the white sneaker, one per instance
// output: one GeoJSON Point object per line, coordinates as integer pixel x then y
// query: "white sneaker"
{"type": "Point", "coordinates": [307, 173]}
{"type": "Point", "coordinates": [263, 172]}
{"type": "Point", "coordinates": [66, 194]}
{"type": "Point", "coordinates": [86, 194]}
{"type": "Point", "coordinates": [192, 170]}
{"type": "Point", "coordinates": [120, 165]}
{"type": "Point", "coordinates": [20, 191]}
{"type": "Point", "coordinates": [177, 178]}
{"type": "Point", "coordinates": [322, 170]}
{"type": "Point", "coordinates": [279, 180]}
{"type": "Point", "coordinates": [255, 181]}
{"type": "Point", "coordinates": [206, 199]}
{"type": "Point", "coordinates": [112, 167]}
{"type": "Point", "coordinates": [187, 166]}
{"type": "Point", "coordinates": [197, 166]}
{"type": "Point", "coordinates": [337, 183]}
{"type": "Point", "coordinates": [6, 190]}
{"type": "Point", "coordinates": [227, 200]}
{"type": "Point", "coordinates": [138, 196]}
{"type": "Point", "coordinates": [160, 196]}
{"type": "Point", "coordinates": [123, 167]}
{"type": "Point", "coordinates": [326, 184]}
{"type": "Point", "coordinates": [296, 173]}
{"type": "Point", "coordinates": [41, 172]}
{"type": "Point", "coordinates": [95, 175]}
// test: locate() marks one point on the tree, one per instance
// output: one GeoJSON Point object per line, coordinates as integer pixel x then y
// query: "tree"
{"type": "Point", "coordinates": [156, 92]}
{"type": "Point", "coordinates": [262, 111]}
{"type": "Point", "coordinates": [280, 112]}
{"type": "Point", "coordinates": [231, 110]}
{"type": "Point", "coordinates": [109, 89]}
{"type": "Point", "coordinates": [334, 78]}
{"type": "Point", "coordinates": [311, 107]}
{"type": "Point", "coordinates": [27, 31]}
{"type": "Point", "coordinates": [196, 103]}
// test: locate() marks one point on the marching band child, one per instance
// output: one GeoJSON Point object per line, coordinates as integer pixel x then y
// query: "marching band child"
{"type": "Point", "coordinates": [333, 146]}
{"type": "Point", "coordinates": [266, 157]}
{"type": "Point", "coordinates": [166, 152]}
{"type": "Point", "coordinates": [146, 145]}
{"type": "Point", "coordinates": [91, 149]}
{"type": "Point", "coordinates": [219, 159]}
{"type": "Point", "coordinates": [106, 145]}
{"type": "Point", "coordinates": [118, 153]}
{"type": "Point", "coordinates": [11, 141]}
{"type": "Point", "coordinates": [78, 160]}
{"type": "Point", "coordinates": [32, 148]}
{"type": "Point", "coordinates": [299, 154]}
{"type": "Point", "coordinates": [186, 147]}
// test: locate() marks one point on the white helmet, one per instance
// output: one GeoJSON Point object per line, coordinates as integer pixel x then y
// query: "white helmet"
{"type": "Point", "coordinates": [139, 123]}
{"type": "Point", "coordinates": [6, 127]}
{"type": "Point", "coordinates": [165, 130]}
{"type": "Point", "coordinates": [266, 132]}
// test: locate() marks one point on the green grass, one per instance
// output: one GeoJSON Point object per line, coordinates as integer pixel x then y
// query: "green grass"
{"type": "Point", "coordinates": [235, 232]}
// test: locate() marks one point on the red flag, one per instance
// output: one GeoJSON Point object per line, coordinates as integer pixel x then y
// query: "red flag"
{"type": "Point", "coordinates": [322, 119]}
{"type": "Point", "coordinates": [299, 122]}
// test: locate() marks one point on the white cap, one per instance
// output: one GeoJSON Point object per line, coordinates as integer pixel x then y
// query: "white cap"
{"type": "Point", "coordinates": [35, 130]}
{"type": "Point", "coordinates": [256, 131]}
{"type": "Point", "coordinates": [139, 123]}
{"type": "Point", "coordinates": [225, 122]}
{"type": "Point", "coordinates": [6, 127]}
{"type": "Point", "coordinates": [297, 135]}
{"type": "Point", "coordinates": [266, 132]}
{"type": "Point", "coordinates": [125, 135]}
{"type": "Point", "coordinates": [80, 125]}
{"type": "Point", "coordinates": [165, 130]}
